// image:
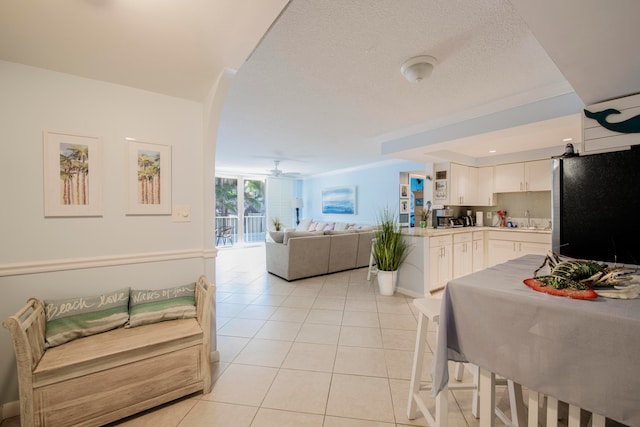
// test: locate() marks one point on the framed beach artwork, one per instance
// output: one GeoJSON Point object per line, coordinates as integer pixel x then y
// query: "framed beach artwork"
{"type": "Point", "coordinates": [72, 175]}
{"type": "Point", "coordinates": [149, 178]}
{"type": "Point", "coordinates": [339, 200]}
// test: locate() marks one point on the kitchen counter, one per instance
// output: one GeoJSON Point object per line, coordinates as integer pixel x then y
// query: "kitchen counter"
{"type": "Point", "coordinates": [431, 232]}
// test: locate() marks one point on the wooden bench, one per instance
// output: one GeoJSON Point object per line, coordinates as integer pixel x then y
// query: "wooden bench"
{"type": "Point", "coordinates": [101, 378]}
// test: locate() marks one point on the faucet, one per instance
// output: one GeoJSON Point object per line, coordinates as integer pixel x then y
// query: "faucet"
{"type": "Point", "coordinates": [528, 216]}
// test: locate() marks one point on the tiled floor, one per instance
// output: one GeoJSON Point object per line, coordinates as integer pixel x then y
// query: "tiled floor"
{"type": "Point", "coordinates": [326, 351]}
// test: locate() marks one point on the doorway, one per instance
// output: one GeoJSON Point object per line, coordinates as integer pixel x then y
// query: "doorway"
{"type": "Point", "coordinates": [240, 225]}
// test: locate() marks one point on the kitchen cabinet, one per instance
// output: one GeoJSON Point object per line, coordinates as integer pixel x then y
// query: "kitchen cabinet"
{"type": "Point", "coordinates": [485, 194]}
{"type": "Point", "coordinates": [440, 261]}
{"type": "Point", "coordinates": [471, 186]}
{"type": "Point", "coordinates": [527, 176]}
{"type": "Point", "coordinates": [503, 246]}
{"type": "Point", "coordinates": [462, 254]}
{"type": "Point", "coordinates": [478, 250]}
{"type": "Point", "coordinates": [462, 191]}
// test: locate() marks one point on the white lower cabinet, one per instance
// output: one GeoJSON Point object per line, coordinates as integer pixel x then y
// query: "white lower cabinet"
{"type": "Point", "coordinates": [478, 250]}
{"type": "Point", "coordinates": [440, 261]}
{"type": "Point", "coordinates": [462, 254]}
{"type": "Point", "coordinates": [434, 260]}
{"type": "Point", "coordinates": [503, 246]}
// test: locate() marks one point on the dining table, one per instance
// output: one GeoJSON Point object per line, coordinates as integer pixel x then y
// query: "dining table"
{"type": "Point", "coordinates": [582, 352]}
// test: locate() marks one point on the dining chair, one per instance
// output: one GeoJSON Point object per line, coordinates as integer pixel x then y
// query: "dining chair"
{"type": "Point", "coordinates": [429, 310]}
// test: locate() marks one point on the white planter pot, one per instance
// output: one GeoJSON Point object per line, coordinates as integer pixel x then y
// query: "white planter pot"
{"type": "Point", "coordinates": [387, 282]}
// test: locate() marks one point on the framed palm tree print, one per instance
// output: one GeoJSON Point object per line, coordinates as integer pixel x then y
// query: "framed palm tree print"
{"type": "Point", "coordinates": [72, 175]}
{"type": "Point", "coordinates": [149, 178]}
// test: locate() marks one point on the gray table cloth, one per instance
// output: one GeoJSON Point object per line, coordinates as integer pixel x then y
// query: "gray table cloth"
{"type": "Point", "coordinates": [582, 352]}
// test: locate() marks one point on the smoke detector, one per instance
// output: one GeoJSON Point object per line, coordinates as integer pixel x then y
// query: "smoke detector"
{"type": "Point", "coordinates": [418, 68]}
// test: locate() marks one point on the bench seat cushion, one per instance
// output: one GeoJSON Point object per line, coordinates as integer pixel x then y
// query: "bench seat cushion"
{"type": "Point", "coordinates": [114, 348]}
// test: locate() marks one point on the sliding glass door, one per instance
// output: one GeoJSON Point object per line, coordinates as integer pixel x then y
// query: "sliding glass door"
{"type": "Point", "coordinates": [240, 225]}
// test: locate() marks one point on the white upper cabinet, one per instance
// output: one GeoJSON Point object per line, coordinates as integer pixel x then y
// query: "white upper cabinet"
{"type": "Point", "coordinates": [462, 192]}
{"type": "Point", "coordinates": [471, 186]}
{"type": "Point", "coordinates": [527, 176]}
{"type": "Point", "coordinates": [485, 195]}
{"type": "Point", "coordinates": [538, 175]}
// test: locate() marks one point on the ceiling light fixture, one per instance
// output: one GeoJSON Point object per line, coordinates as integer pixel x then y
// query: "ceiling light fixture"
{"type": "Point", "coordinates": [567, 139]}
{"type": "Point", "coordinates": [418, 68]}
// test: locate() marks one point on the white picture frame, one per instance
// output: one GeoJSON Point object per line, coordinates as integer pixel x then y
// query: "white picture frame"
{"type": "Point", "coordinates": [72, 172]}
{"type": "Point", "coordinates": [148, 178]}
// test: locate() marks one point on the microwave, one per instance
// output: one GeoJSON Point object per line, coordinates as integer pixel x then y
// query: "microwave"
{"type": "Point", "coordinates": [442, 218]}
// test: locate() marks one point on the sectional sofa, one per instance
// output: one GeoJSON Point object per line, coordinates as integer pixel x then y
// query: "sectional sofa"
{"type": "Point", "coordinates": [297, 254]}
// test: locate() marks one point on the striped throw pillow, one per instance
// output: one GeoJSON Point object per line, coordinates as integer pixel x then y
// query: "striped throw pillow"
{"type": "Point", "coordinates": [156, 305]}
{"type": "Point", "coordinates": [68, 319]}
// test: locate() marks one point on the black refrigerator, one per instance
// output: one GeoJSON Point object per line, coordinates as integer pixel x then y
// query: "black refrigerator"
{"type": "Point", "coordinates": [596, 207]}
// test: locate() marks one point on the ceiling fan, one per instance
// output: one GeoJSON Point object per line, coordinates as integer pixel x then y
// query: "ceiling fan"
{"type": "Point", "coordinates": [275, 172]}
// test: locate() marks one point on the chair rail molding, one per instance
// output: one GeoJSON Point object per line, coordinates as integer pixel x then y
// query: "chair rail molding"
{"type": "Point", "coordinates": [45, 266]}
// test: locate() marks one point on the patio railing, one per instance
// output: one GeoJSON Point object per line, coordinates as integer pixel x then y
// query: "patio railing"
{"type": "Point", "coordinates": [255, 227]}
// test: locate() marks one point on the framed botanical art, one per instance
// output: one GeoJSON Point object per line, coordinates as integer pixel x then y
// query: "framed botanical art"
{"type": "Point", "coordinates": [149, 178]}
{"type": "Point", "coordinates": [72, 175]}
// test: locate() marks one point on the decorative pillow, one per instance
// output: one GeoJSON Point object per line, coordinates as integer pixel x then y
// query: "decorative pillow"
{"type": "Point", "coordinates": [329, 226]}
{"type": "Point", "coordinates": [277, 236]}
{"type": "Point", "coordinates": [312, 226]}
{"type": "Point", "coordinates": [156, 305]}
{"type": "Point", "coordinates": [321, 225]}
{"type": "Point", "coordinates": [73, 318]}
{"type": "Point", "coordinates": [304, 224]}
{"type": "Point", "coordinates": [339, 226]}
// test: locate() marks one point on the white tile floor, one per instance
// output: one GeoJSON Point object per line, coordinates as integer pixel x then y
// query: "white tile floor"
{"type": "Point", "coordinates": [326, 351]}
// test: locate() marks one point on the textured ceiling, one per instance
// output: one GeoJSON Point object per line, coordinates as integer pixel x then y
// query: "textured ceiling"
{"type": "Point", "coordinates": [323, 89]}
{"type": "Point", "coordinates": [325, 83]}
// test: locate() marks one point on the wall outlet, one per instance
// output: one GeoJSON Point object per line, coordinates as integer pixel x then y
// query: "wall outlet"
{"type": "Point", "coordinates": [489, 215]}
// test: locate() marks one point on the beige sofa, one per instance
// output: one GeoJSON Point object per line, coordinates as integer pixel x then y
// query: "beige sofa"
{"type": "Point", "coordinates": [307, 254]}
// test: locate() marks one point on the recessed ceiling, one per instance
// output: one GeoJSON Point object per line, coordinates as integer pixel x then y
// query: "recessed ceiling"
{"type": "Point", "coordinates": [323, 89]}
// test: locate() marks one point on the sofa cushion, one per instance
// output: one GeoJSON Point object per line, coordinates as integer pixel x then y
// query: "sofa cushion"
{"type": "Point", "coordinates": [337, 232]}
{"type": "Point", "coordinates": [290, 234]}
{"type": "Point", "coordinates": [277, 236]}
{"type": "Point", "coordinates": [157, 305]}
{"type": "Point", "coordinates": [304, 224]}
{"type": "Point", "coordinates": [68, 319]}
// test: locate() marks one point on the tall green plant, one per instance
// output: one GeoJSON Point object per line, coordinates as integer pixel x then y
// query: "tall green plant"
{"type": "Point", "coordinates": [389, 249]}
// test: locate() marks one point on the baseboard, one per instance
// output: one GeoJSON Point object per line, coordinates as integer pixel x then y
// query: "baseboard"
{"type": "Point", "coordinates": [408, 293]}
{"type": "Point", "coordinates": [215, 356]}
{"type": "Point", "coordinates": [9, 410]}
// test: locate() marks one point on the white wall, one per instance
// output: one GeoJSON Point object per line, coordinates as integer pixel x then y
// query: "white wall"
{"type": "Point", "coordinates": [138, 251]}
{"type": "Point", "coordinates": [378, 187]}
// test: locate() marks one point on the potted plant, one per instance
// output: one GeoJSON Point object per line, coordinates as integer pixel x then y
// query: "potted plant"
{"type": "Point", "coordinates": [389, 250]}
{"type": "Point", "coordinates": [277, 225]}
{"type": "Point", "coordinates": [425, 214]}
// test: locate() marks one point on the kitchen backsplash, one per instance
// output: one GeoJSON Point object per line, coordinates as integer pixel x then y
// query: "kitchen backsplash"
{"type": "Point", "coordinates": [538, 203]}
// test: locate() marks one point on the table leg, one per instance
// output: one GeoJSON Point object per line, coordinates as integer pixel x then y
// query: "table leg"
{"type": "Point", "coordinates": [416, 374]}
{"type": "Point", "coordinates": [487, 398]}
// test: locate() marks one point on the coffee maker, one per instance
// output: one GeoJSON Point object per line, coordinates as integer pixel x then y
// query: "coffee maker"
{"type": "Point", "coordinates": [442, 218]}
{"type": "Point", "coordinates": [469, 220]}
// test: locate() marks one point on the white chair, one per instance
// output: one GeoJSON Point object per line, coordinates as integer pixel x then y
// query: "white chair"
{"type": "Point", "coordinates": [429, 310]}
{"type": "Point", "coordinates": [373, 269]}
